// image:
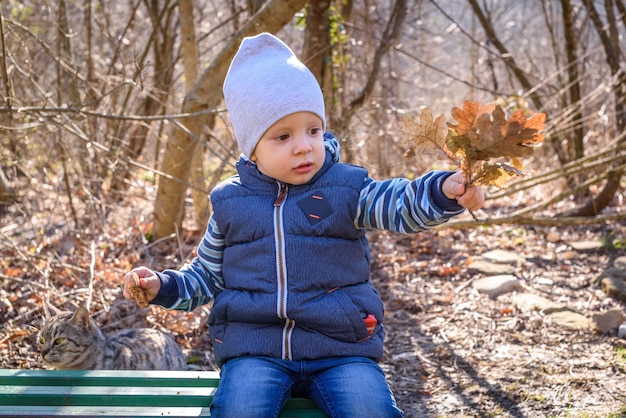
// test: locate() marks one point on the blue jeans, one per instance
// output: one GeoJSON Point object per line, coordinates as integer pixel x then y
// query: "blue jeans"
{"type": "Point", "coordinates": [341, 387]}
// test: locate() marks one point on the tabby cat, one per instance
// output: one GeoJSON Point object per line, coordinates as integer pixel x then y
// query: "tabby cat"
{"type": "Point", "coordinates": [74, 341]}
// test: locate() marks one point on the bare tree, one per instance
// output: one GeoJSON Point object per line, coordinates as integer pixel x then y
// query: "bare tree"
{"type": "Point", "coordinates": [89, 89]}
{"type": "Point", "coordinates": [316, 37]}
{"type": "Point", "coordinates": [201, 101]}
{"type": "Point", "coordinates": [7, 194]}
{"type": "Point", "coordinates": [68, 92]}
{"type": "Point", "coordinates": [575, 101]}
{"type": "Point", "coordinates": [189, 51]}
{"type": "Point", "coordinates": [607, 31]}
{"type": "Point", "coordinates": [573, 80]}
{"type": "Point", "coordinates": [161, 43]}
{"type": "Point", "coordinates": [344, 102]}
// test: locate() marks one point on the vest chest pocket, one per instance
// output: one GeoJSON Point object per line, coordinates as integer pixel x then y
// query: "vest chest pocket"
{"type": "Point", "coordinates": [335, 315]}
{"type": "Point", "coordinates": [315, 207]}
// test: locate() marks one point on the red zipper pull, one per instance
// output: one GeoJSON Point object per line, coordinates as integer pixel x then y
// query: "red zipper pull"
{"type": "Point", "coordinates": [370, 324]}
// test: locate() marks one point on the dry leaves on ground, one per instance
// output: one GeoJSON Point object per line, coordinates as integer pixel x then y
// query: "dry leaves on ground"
{"type": "Point", "coordinates": [450, 351]}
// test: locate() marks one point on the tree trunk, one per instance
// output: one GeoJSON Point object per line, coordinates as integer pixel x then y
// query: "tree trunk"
{"type": "Point", "coordinates": [7, 195]}
{"type": "Point", "coordinates": [509, 61]}
{"type": "Point", "coordinates": [162, 46]}
{"type": "Point", "coordinates": [82, 155]}
{"type": "Point", "coordinates": [390, 35]}
{"type": "Point", "coordinates": [189, 50]}
{"type": "Point", "coordinates": [204, 97]}
{"type": "Point", "coordinates": [612, 51]}
{"type": "Point", "coordinates": [316, 38]}
{"type": "Point", "coordinates": [571, 47]}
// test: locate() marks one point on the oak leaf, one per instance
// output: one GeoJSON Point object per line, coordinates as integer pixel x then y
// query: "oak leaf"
{"type": "Point", "coordinates": [497, 174]}
{"type": "Point", "coordinates": [137, 291]}
{"type": "Point", "coordinates": [482, 133]}
{"type": "Point", "coordinates": [427, 136]}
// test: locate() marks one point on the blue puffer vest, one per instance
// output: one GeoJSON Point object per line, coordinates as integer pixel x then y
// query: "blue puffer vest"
{"type": "Point", "coordinates": [295, 268]}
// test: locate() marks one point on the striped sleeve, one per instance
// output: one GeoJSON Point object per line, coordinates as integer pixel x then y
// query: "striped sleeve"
{"type": "Point", "coordinates": [405, 206]}
{"type": "Point", "coordinates": [198, 282]}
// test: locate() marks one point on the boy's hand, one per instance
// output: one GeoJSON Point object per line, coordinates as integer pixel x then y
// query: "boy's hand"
{"type": "Point", "coordinates": [148, 281]}
{"type": "Point", "coordinates": [471, 198]}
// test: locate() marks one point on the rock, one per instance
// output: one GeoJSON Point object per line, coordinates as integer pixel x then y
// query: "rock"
{"type": "Point", "coordinates": [504, 257]}
{"type": "Point", "coordinates": [544, 281]}
{"type": "Point", "coordinates": [621, 332]}
{"type": "Point", "coordinates": [620, 263]}
{"type": "Point", "coordinates": [404, 357]}
{"type": "Point", "coordinates": [613, 282]}
{"type": "Point", "coordinates": [530, 302]}
{"type": "Point", "coordinates": [496, 262]}
{"type": "Point", "coordinates": [553, 236]}
{"type": "Point", "coordinates": [587, 245]}
{"type": "Point", "coordinates": [495, 286]}
{"type": "Point", "coordinates": [607, 321]}
{"type": "Point", "coordinates": [571, 319]}
{"type": "Point", "coordinates": [489, 268]}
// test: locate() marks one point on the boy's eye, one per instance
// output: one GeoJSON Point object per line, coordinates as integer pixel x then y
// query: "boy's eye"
{"type": "Point", "coordinates": [315, 131]}
{"type": "Point", "coordinates": [283, 137]}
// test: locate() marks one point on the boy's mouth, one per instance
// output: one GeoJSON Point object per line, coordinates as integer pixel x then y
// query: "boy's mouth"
{"type": "Point", "coordinates": [304, 168]}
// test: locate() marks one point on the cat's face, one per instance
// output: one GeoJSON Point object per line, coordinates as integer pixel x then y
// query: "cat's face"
{"type": "Point", "coordinates": [68, 340]}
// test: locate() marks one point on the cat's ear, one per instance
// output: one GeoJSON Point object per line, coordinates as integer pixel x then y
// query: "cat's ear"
{"type": "Point", "coordinates": [81, 317]}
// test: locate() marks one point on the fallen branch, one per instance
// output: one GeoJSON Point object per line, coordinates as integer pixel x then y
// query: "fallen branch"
{"type": "Point", "coordinates": [537, 220]}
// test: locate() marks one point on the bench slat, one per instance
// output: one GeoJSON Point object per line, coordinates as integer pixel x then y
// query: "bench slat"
{"type": "Point", "coordinates": [150, 378]}
{"type": "Point", "coordinates": [105, 395]}
{"type": "Point", "coordinates": [92, 411]}
{"type": "Point", "coordinates": [130, 393]}
{"type": "Point", "coordinates": [118, 411]}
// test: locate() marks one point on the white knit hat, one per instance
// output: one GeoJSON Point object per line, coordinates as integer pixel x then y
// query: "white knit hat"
{"type": "Point", "coordinates": [266, 82]}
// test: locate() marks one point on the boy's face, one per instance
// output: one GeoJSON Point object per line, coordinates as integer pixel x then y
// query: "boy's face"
{"type": "Point", "coordinates": [292, 149]}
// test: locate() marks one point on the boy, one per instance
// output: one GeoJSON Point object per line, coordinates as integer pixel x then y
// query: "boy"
{"type": "Point", "coordinates": [285, 259]}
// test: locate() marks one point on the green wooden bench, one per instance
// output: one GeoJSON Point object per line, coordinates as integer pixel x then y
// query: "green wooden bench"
{"type": "Point", "coordinates": [134, 393]}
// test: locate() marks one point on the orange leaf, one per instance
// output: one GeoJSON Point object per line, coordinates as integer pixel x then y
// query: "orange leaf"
{"type": "Point", "coordinates": [482, 132]}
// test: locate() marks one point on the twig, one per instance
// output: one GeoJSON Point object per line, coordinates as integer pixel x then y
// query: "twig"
{"type": "Point", "coordinates": [44, 274]}
{"type": "Point", "coordinates": [568, 192]}
{"type": "Point", "coordinates": [92, 273]}
{"type": "Point", "coordinates": [577, 166]}
{"type": "Point", "coordinates": [20, 280]}
{"type": "Point", "coordinates": [153, 243]}
{"type": "Point", "coordinates": [471, 212]}
{"type": "Point", "coordinates": [179, 242]}
{"type": "Point", "coordinates": [537, 220]}
{"type": "Point", "coordinates": [463, 286]}
{"type": "Point", "coordinates": [83, 111]}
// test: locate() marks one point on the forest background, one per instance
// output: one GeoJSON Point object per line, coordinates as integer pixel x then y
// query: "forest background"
{"type": "Point", "coordinates": [114, 132]}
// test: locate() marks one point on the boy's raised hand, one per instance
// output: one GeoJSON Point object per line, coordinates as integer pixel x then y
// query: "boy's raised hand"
{"type": "Point", "coordinates": [148, 281]}
{"type": "Point", "coordinates": [471, 198]}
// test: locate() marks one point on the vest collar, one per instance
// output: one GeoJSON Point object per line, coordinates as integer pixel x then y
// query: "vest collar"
{"type": "Point", "coordinates": [250, 176]}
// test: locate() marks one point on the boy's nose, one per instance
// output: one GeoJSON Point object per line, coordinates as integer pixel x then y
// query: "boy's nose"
{"type": "Point", "coordinates": [302, 144]}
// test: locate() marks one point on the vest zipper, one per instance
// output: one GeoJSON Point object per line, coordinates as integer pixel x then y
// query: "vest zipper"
{"type": "Point", "coordinates": [281, 271]}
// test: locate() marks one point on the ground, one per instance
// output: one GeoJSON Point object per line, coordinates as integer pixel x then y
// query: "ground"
{"type": "Point", "coordinates": [451, 351]}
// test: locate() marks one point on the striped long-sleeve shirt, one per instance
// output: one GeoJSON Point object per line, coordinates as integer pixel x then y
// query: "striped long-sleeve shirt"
{"type": "Point", "coordinates": [397, 205]}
